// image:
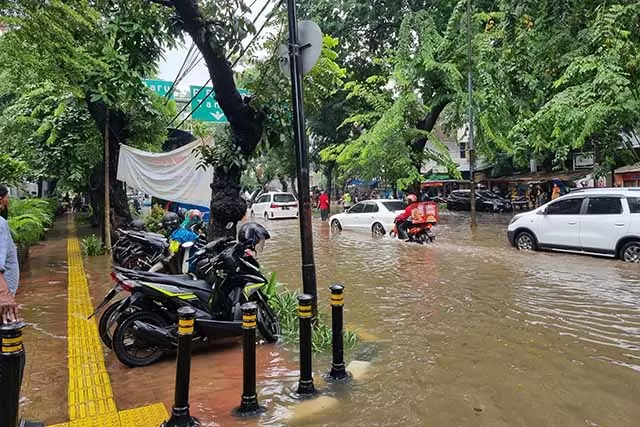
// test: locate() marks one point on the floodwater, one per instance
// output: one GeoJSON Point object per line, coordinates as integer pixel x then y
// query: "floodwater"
{"type": "Point", "coordinates": [464, 332]}
{"type": "Point", "coordinates": [470, 332]}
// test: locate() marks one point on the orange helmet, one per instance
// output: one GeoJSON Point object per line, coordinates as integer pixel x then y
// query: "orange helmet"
{"type": "Point", "coordinates": [412, 198]}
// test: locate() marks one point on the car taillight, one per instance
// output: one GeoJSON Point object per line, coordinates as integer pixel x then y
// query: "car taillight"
{"type": "Point", "coordinates": [274, 205]}
{"type": "Point", "coordinates": [295, 204]}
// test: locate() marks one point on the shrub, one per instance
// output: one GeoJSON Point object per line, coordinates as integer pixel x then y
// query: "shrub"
{"type": "Point", "coordinates": [285, 304]}
{"type": "Point", "coordinates": [29, 219]}
{"type": "Point", "coordinates": [92, 246]}
{"type": "Point", "coordinates": [153, 220]}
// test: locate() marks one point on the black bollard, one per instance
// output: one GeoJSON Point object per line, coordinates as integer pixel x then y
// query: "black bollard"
{"type": "Point", "coordinates": [305, 385]}
{"type": "Point", "coordinates": [249, 405]}
{"type": "Point", "coordinates": [338, 370]}
{"type": "Point", "coordinates": [11, 362]}
{"type": "Point", "coordinates": [180, 416]}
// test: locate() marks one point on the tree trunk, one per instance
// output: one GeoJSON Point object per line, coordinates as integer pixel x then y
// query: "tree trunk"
{"type": "Point", "coordinates": [328, 173]}
{"type": "Point", "coordinates": [117, 134]}
{"type": "Point", "coordinates": [227, 208]}
{"type": "Point", "coordinates": [246, 123]}
{"type": "Point", "coordinates": [283, 182]}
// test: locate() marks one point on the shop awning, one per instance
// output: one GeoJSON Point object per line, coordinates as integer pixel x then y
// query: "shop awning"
{"type": "Point", "coordinates": [543, 177]}
{"type": "Point", "coordinates": [628, 168]}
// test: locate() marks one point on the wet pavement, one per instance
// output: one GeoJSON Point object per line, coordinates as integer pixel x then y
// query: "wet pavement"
{"type": "Point", "coordinates": [466, 332]}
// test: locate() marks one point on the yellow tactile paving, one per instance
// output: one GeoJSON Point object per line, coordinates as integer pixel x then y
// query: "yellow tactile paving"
{"type": "Point", "coordinates": [152, 415]}
{"type": "Point", "coordinates": [91, 402]}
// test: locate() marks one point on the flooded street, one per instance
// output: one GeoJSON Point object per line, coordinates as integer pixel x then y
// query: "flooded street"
{"type": "Point", "coordinates": [471, 332]}
{"type": "Point", "coordinates": [464, 332]}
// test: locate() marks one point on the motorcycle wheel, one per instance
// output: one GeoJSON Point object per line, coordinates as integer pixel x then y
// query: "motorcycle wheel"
{"type": "Point", "coordinates": [103, 325]}
{"type": "Point", "coordinates": [268, 322]}
{"type": "Point", "coordinates": [126, 346]}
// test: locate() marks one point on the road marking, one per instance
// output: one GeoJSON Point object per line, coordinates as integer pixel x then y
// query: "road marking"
{"type": "Point", "coordinates": [91, 402]}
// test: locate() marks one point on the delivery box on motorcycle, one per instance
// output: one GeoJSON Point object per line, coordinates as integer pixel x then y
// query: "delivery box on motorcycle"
{"type": "Point", "coordinates": [425, 212]}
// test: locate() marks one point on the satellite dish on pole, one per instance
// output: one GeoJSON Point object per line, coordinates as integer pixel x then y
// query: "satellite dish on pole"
{"type": "Point", "coordinates": [310, 40]}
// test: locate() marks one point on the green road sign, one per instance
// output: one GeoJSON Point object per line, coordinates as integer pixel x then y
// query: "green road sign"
{"type": "Point", "coordinates": [161, 87]}
{"type": "Point", "coordinates": [209, 111]}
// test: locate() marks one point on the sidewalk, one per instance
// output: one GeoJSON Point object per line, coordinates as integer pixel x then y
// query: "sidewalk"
{"type": "Point", "coordinates": [58, 290]}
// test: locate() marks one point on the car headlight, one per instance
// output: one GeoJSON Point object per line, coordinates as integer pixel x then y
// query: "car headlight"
{"type": "Point", "coordinates": [514, 219]}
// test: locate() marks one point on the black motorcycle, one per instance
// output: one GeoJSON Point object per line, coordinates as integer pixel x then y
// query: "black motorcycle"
{"type": "Point", "coordinates": [146, 320]}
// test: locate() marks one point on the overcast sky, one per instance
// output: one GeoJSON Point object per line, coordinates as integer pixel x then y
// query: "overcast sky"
{"type": "Point", "coordinates": [168, 68]}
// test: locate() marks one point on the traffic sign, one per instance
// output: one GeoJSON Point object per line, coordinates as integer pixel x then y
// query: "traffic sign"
{"type": "Point", "coordinates": [209, 111]}
{"type": "Point", "coordinates": [161, 87]}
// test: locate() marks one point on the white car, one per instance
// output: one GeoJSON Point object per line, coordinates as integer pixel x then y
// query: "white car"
{"type": "Point", "coordinates": [374, 215]}
{"type": "Point", "coordinates": [275, 206]}
{"type": "Point", "coordinates": [599, 221]}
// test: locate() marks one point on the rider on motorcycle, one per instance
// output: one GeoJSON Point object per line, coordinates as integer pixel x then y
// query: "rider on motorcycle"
{"type": "Point", "coordinates": [254, 235]}
{"type": "Point", "coordinates": [403, 221]}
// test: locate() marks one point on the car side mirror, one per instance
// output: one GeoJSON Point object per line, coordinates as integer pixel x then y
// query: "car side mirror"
{"type": "Point", "coordinates": [542, 211]}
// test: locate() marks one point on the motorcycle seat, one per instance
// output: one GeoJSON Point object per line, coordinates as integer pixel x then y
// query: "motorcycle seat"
{"type": "Point", "coordinates": [180, 280]}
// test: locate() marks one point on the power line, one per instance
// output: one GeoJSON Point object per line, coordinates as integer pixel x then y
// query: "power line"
{"type": "Point", "coordinates": [178, 78]}
{"type": "Point", "coordinates": [244, 50]}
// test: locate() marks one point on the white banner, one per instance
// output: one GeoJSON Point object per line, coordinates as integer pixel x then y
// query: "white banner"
{"type": "Point", "coordinates": [170, 176]}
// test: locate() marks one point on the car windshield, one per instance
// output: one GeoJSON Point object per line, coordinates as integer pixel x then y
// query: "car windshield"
{"type": "Point", "coordinates": [394, 206]}
{"type": "Point", "coordinates": [488, 194]}
{"type": "Point", "coordinates": [283, 198]}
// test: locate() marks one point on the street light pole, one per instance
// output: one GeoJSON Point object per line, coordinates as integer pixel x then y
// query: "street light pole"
{"type": "Point", "coordinates": [302, 159]}
{"type": "Point", "coordinates": [471, 148]}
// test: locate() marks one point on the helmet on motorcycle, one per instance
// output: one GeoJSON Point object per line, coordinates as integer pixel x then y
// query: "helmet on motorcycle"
{"type": "Point", "coordinates": [194, 214]}
{"type": "Point", "coordinates": [137, 225]}
{"type": "Point", "coordinates": [254, 235]}
{"type": "Point", "coordinates": [170, 221]}
{"type": "Point", "coordinates": [411, 198]}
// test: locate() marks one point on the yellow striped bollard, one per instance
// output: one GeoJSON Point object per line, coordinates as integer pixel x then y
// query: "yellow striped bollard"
{"type": "Point", "coordinates": [11, 364]}
{"type": "Point", "coordinates": [338, 370]}
{"type": "Point", "coordinates": [180, 416]}
{"type": "Point", "coordinates": [305, 314]}
{"type": "Point", "coordinates": [249, 405]}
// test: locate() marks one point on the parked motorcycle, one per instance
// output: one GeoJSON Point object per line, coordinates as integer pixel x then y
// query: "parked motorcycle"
{"type": "Point", "coordinates": [145, 321]}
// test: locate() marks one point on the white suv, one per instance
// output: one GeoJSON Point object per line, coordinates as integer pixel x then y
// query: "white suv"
{"type": "Point", "coordinates": [275, 205]}
{"type": "Point", "coordinates": [600, 221]}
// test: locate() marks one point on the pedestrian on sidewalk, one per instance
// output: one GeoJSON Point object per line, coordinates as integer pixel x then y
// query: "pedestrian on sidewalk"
{"type": "Point", "coordinates": [9, 270]}
{"type": "Point", "coordinates": [323, 203]}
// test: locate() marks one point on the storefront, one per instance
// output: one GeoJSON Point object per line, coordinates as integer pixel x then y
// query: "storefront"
{"type": "Point", "coordinates": [628, 176]}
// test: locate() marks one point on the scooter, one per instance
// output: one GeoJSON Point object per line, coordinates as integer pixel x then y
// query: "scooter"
{"type": "Point", "coordinates": [177, 264]}
{"type": "Point", "coordinates": [232, 277]}
{"type": "Point", "coordinates": [417, 233]}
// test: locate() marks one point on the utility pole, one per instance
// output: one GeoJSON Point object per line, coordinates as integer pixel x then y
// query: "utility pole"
{"type": "Point", "coordinates": [471, 148]}
{"type": "Point", "coordinates": [309, 285]}
{"type": "Point", "coordinates": [107, 198]}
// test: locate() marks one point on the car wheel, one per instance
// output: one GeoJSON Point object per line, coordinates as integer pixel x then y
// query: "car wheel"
{"type": "Point", "coordinates": [335, 225]}
{"type": "Point", "coordinates": [525, 241]}
{"type": "Point", "coordinates": [377, 230]}
{"type": "Point", "coordinates": [253, 213]}
{"type": "Point", "coordinates": [266, 216]}
{"type": "Point", "coordinates": [631, 252]}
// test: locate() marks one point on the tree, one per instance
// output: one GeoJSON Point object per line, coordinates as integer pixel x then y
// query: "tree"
{"type": "Point", "coordinates": [94, 53]}
{"type": "Point", "coordinates": [580, 93]}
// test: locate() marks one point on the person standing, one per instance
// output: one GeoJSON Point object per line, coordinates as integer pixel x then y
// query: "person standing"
{"type": "Point", "coordinates": [9, 269]}
{"type": "Point", "coordinates": [323, 203]}
{"type": "Point", "coordinates": [347, 200]}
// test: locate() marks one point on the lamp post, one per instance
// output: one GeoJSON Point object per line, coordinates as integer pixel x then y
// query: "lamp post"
{"type": "Point", "coordinates": [302, 158]}
{"type": "Point", "coordinates": [472, 154]}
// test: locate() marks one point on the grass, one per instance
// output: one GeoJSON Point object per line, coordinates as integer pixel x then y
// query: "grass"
{"type": "Point", "coordinates": [92, 246]}
{"type": "Point", "coordinates": [285, 304]}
